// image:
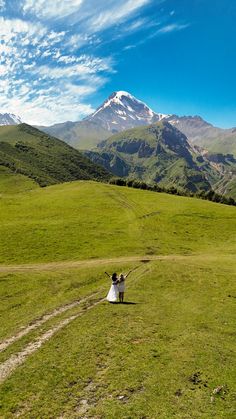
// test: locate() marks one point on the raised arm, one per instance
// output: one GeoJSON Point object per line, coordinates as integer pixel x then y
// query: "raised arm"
{"type": "Point", "coordinates": [130, 272]}
{"type": "Point", "coordinates": [126, 276]}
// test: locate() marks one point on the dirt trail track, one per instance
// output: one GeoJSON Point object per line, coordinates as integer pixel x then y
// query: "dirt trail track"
{"type": "Point", "coordinates": [39, 322]}
{"type": "Point", "coordinates": [7, 367]}
{"type": "Point", "coordinates": [52, 266]}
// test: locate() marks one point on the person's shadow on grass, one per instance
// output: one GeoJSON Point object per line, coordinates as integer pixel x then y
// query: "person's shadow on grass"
{"type": "Point", "coordinates": [124, 302]}
{"type": "Point", "coordinates": [129, 302]}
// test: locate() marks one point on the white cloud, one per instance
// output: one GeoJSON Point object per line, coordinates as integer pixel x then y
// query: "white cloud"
{"type": "Point", "coordinates": [51, 9]}
{"type": "Point", "coordinates": [117, 13]}
{"type": "Point", "coordinates": [10, 28]}
{"type": "Point", "coordinates": [43, 75]}
{"type": "Point", "coordinates": [2, 5]}
{"type": "Point", "coordinates": [84, 68]}
{"type": "Point", "coordinates": [79, 40]}
{"type": "Point", "coordinates": [172, 27]}
{"type": "Point", "coordinates": [94, 15]}
{"type": "Point", "coordinates": [45, 93]}
{"type": "Point", "coordinates": [50, 105]}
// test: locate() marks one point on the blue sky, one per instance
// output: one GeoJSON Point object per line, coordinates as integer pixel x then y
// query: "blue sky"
{"type": "Point", "coordinates": [60, 59]}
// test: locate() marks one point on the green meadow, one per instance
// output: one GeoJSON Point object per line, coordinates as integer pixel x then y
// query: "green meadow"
{"type": "Point", "coordinates": [65, 352]}
{"type": "Point", "coordinates": [83, 220]}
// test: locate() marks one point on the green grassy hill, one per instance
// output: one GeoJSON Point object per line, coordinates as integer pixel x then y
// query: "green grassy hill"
{"type": "Point", "coordinates": [164, 354]}
{"type": "Point", "coordinates": [82, 135]}
{"type": "Point", "coordinates": [45, 159]}
{"type": "Point", "coordinates": [11, 183]}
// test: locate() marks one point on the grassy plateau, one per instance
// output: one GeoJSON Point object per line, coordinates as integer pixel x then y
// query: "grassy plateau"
{"type": "Point", "coordinates": [65, 352]}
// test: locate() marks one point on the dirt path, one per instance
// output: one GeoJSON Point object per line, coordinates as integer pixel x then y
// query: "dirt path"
{"type": "Point", "coordinates": [7, 367]}
{"type": "Point", "coordinates": [35, 324]}
{"type": "Point", "coordinates": [39, 322]}
{"type": "Point", "coordinates": [52, 266]}
{"type": "Point", "coordinates": [15, 360]}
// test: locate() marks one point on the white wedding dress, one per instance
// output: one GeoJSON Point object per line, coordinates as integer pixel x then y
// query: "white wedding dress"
{"type": "Point", "coordinates": [113, 293]}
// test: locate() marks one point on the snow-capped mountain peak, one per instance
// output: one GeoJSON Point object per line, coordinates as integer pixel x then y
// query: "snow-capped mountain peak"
{"type": "Point", "coordinates": [9, 119]}
{"type": "Point", "coordinates": [122, 111]}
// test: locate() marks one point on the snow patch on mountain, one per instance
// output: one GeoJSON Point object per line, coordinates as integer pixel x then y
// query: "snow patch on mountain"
{"type": "Point", "coordinates": [9, 119]}
{"type": "Point", "coordinates": [124, 111]}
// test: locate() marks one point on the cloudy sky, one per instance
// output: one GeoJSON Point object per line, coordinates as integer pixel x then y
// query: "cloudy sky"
{"type": "Point", "coordinates": [60, 59]}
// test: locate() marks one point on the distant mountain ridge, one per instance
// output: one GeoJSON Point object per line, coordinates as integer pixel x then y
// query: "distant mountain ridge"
{"type": "Point", "coordinates": [122, 111]}
{"type": "Point", "coordinates": [206, 135]}
{"type": "Point", "coordinates": [9, 119]}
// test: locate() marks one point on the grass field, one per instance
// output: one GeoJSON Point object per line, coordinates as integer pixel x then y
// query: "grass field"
{"type": "Point", "coordinates": [67, 353]}
{"type": "Point", "coordinates": [83, 220]}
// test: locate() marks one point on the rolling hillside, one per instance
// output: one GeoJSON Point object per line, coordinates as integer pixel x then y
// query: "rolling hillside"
{"type": "Point", "coordinates": [11, 183]}
{"type": "Point", "coordinates": [65, 352]}
{"type": "Point", "coordinates": [83, 225]}
{"type": "Point", "coordinates": [45, 159]}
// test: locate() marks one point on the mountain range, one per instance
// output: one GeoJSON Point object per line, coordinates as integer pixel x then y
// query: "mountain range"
{"type": "Point", "coordinates": [205, 135]}
{"type": "Point", "coordinates": [128, 138]}
{"type": "Point", "coordinates": [122, 111]}
{"type": "Point", "coordinates": [157, 153]}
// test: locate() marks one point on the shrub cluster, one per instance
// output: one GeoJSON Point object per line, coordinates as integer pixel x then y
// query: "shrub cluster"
{"type": "Point", "coordinates": [207, 195]}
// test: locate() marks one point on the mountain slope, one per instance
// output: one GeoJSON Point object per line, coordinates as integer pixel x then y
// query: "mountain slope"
{"type": "Point", "coordinates": [225, 143]}
{"type": "Point", "coordinates": [80, 135]}
{"type": "Point", "coordinates": [122, 111]}
{"type": "Point", "coordinates": [206, 135]}
{"type": "Point", "coordinates": [47, 160]}
{"type": "Point", "coordinates": [156, 153]}
{"type": "Point", "coordinates": [12, 183]}
{"type": "Point", "coordinates": [9, 119]}
{"type": "Point", "coordinates": [119, 112]}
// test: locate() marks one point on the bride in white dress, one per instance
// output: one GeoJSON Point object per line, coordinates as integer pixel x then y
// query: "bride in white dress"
{"type": "Point", "coordinates": [113, 292]}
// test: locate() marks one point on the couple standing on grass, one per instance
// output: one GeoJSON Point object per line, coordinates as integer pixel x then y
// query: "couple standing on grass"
{"type": "Point", "coordinates": [117, 287]}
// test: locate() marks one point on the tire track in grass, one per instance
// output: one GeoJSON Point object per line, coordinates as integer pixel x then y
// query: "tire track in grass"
{"type": "Point", "coordinates": [9, 366]}
{"type": "Point", "coordinates": [35, 324]}
{"type": "Point", "coordinates": [15, 360]}
{"type": "Point", "coordinates": [48, 266]}
{"type": "Point", "coordinates": [86, 400]}
{"type": "Point", "coordinates": [39, 322]}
